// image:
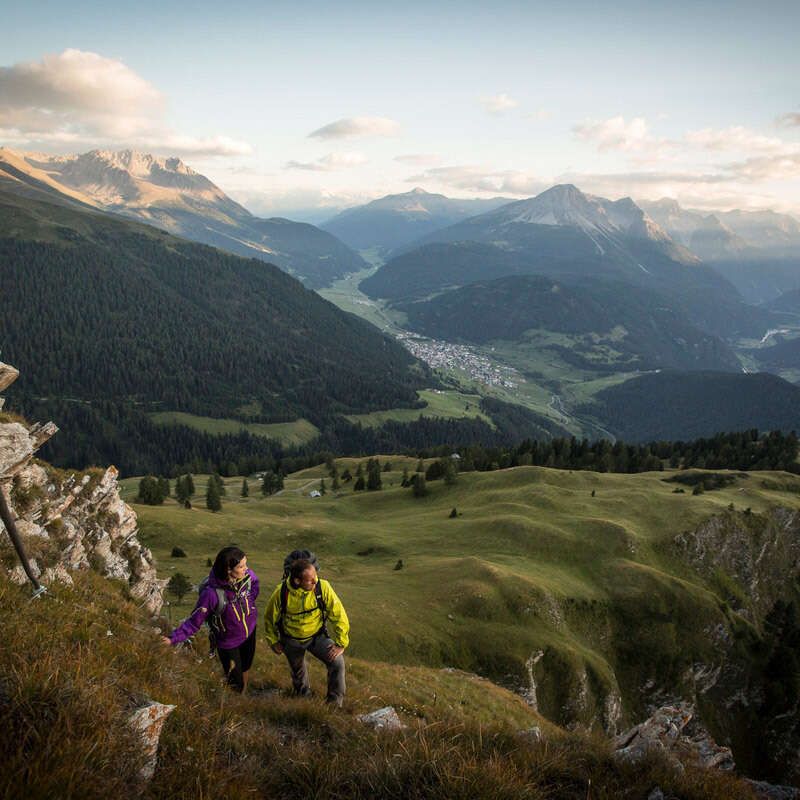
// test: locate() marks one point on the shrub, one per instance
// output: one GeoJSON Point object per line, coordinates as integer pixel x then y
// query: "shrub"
{"type": "Point", "coordinates": [178, 552]}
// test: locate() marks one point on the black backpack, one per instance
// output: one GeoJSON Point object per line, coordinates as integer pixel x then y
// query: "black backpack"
{"type": "Point", "coordinates": [214, 618]}
{"type": "Point", "coordinates": [296, 555]}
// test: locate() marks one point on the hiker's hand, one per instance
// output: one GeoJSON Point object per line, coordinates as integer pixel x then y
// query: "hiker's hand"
{"type": "Point", "coordinates": [166, 640]}
{"type": "Point", "coordinates": [334, 651]}
{"type": "Point", "coordinates": [277, 648]}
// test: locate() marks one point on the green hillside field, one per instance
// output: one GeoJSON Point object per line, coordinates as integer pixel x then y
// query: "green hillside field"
{"type": "Point", "coordinates": [532, 563]}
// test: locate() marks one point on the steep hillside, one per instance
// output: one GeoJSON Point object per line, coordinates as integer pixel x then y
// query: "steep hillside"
{"type": "Point", "coordinates": [620, 327]}
{"type": "Point", "coordinates": [99, 309]}
{"type": "Point", "coordinates": [170, 195]}
{"type": "Point", "coordinates": [674, 405]}
{"type": "Point", "coordinates": [398, 219]}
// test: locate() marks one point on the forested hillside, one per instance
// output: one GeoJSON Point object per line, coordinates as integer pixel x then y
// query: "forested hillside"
{"type": "Point", "coordinates": [675, 405]}
{"type": "Point", "coordinates": [622, 326]}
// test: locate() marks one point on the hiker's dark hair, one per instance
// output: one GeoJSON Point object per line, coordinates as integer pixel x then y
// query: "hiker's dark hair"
{"type": "Point", "coordinates": [298, 567]}
{"type": "Point", "coordinates": [226, 560]}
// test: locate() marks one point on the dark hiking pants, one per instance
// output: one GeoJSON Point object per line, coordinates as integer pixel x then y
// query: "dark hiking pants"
{"type": "Point", "coordinates": [237, 661]}
{"type": "Point", "coordinates": [295, 651]}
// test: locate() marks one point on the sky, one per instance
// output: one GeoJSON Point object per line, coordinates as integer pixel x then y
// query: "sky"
{"type": "Point", "coordinates": [303, 108]}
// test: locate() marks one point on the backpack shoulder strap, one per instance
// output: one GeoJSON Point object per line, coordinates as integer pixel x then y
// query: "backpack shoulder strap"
{"type": "Point", "coordinates": [320, 600]}
{"type": "Point", "coordinates": [222, 601]}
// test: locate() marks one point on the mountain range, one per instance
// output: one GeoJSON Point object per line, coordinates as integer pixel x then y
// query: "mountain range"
{"type": "Point", "coordinates": [566, 234]}
{"type": "Point", "coordinates": [168, 194]}
{"type": "Point", "coordinates": [758, 251]}
{"type": "Point", "coordinates": [398, 219]}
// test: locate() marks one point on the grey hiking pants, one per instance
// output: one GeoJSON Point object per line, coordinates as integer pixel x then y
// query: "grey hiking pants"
{"type": "Point", "coordinates": [295, 651]}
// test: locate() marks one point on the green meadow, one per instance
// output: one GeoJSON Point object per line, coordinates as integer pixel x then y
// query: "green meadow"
{"type": "Point", "coordinates": [578, 565]}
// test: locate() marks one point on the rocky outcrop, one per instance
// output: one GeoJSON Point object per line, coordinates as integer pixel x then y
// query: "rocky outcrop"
{"type": "Point", "coordinates": [69, 520]}
{"type": "Point", "coordinates": [752, 558]}
{"type": "Point", "coordinates": [383, 719]}
{"type": "Point", "coordinates": [673, 731]}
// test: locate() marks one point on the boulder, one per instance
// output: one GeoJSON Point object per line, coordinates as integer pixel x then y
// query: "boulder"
{"type": "Point", "coordinates": [147, 721]}
{"type": "Point", "coordinates": [383, 719]}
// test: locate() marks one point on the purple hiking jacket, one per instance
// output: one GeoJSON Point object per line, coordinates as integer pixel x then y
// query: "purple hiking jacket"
{"type": "Point", "coordinates": [239, 616]}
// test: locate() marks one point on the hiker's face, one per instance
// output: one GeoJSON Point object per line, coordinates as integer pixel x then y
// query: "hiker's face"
{"type": "Point", "coordinates": [238, 572]}
{"type": "Point", "coordinates": [308, 580]}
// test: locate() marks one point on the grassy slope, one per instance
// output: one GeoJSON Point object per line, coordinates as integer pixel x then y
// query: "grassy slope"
{"type": "Point", "coordinates": [67, 689]}
{"type": "Point", "coordinates": [532, 562]}
{"type": "Point", "coordinates": [446, 404]}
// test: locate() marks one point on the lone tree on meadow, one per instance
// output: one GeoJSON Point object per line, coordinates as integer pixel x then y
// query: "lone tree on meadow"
{"type": "Point", "coordinates": [179, 586]}
{"type": "Point", "coordinates": [374, 475]}
{"type": "Point", "coordinates": [213, 497]}
{"type": "Point", "coordinates": [151, 490]}
{"type": "Point", "coordinates": [245, 488]}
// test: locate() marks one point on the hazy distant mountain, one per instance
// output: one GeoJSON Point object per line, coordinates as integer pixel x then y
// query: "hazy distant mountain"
{"type": "Point", "coordinates": [779, 234]}
{"type": "Point", "coordinates": [758, 251]}
{"type": "Point", "coordinates": [685, 405]}
{"type": "Point", "coordinates": [609, 326]}
{"type": "Point", "coordinates": [788, 302]}
{"type": "Point", "coordinates": [172, 196]}
{"type": "Point", "coordinates": [703, 234]}
{"type": "Point", "coordinates": [397, 219]}
{"type": "Point", "coordinates": [567, 234]}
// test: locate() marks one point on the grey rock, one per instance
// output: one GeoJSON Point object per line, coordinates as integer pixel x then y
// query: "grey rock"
{"type": "Point", "coordinates": [147, 721]}
{"type": "Point", "coordinates": [383, 719]}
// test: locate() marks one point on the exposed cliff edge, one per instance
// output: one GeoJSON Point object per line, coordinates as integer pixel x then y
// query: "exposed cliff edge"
{"type": "Point", "coordinates": [68, 520]}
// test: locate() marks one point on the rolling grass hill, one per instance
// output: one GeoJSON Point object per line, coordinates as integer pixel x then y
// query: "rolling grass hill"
{"type": "Point", "coordinates": [566, 586]}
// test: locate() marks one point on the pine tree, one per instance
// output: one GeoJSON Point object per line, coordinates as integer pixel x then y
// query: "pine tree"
{"type": "Point", "coordinates": [420, 466]}
{"type": "Point", "coordinates": [405, 480]}
{"type": "Point", "coordinates": [335, 485]}
{"type": "Point", "coordinates": [190, 484]}
{"type": "Point", "coordinates": [373, 475]}
{"type": "Point", "coordinates": [179, 585]}
{"type": "Point", "coordinates": [359, 485]}
{"type": "Point", "coordinates": [245, 488]}
{"type": "Point", "coordinates": [213, 498]}
{"type": "Point", "coordinates": [322, 489]}
{"type": "Point", "coordinates": [420, 489]}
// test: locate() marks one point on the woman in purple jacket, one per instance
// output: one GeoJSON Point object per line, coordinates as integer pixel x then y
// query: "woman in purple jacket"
{"type": "Point", "coordinates": [233, 585]}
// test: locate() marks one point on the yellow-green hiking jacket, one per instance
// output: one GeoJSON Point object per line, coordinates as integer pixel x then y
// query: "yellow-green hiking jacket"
{"type": "Point", "coordinates": [300, 625]}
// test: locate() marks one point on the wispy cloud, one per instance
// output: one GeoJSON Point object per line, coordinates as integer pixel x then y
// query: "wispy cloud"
{"type": "Point", "coordinates": [79, 97]}
{"type": "Point", "coordinates": [329, 163]}
{"type": "Point", "coordinates": [617, 133]}
{"type": "Point", "coordinates": [357, 126]}
{"type": "Point", "coordinates": [419, 159]}
{"type": "Point", "coordinates": [498, 103]}
{"type": "Point", "coordinates": [735, 137]}
{"type": "Point", "coordinates": [790, 120]}
{"type": "Point", "coordinates": [481, 179]}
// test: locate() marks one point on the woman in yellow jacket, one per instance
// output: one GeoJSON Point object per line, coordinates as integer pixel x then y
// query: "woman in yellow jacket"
{"type": "Point", "coordinates": [304, 614]}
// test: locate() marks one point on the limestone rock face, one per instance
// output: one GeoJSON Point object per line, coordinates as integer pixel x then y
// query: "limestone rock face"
{"type": "Point", "coordinates": [70, 520]}
{"type": "Point", "coordinates": [667, 731]}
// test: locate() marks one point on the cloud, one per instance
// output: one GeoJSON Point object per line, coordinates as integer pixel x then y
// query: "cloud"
{"type": "Point", "coordinates": [499, 103]}
{"type": "Point", "coordinates": [733, 138]}
{"type": "Point", "coordinates": [616, 134]}
{"type": "Point", "coordinates": [419, 159]}
{"type": "Point", "coordinates": [329, 163]}
{"type": "Point", "coordinates": [82, 97]}
{"type": "Point", "coordinates": [481, 179]}
{"type": "Point", "coordinates": [790, 120]}
{"type": "Point", "coordinates": [783, 166]}
{"type": "Point", "coordinates": [540, 115]}
{"type": "Point", "coordinates": [357, 126]}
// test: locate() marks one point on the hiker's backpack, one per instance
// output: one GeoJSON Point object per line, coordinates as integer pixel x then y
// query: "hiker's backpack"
{"type": "Point", "coordinates": [296, 555]}
{"type": "Point", "coordinates": [214, 618]}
